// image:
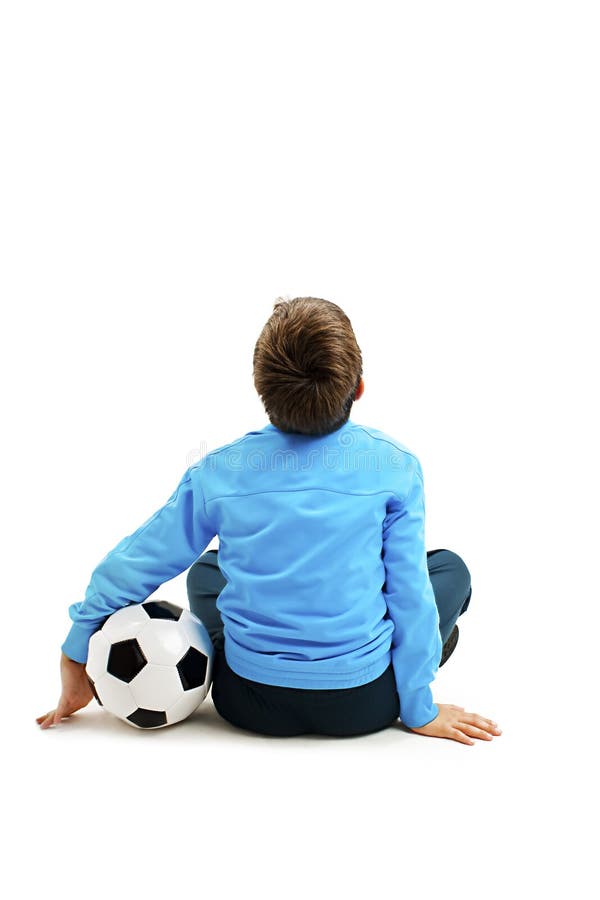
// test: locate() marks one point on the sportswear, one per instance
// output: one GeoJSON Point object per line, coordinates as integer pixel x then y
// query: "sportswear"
{"type": "Point", "coordinates": [321, 541]}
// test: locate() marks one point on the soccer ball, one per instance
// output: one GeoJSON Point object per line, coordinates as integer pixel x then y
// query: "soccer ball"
{"type": "Point", "coordinates": [150, 663]}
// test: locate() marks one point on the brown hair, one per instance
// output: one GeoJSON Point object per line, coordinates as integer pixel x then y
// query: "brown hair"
{"type": "Point", "coordinates": [307, 366]}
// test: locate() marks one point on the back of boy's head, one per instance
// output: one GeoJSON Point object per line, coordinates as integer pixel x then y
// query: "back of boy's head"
{"type": "Point", "coordinates": [307, 366]}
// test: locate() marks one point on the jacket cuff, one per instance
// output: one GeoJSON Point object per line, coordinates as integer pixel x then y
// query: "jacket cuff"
{"type": "Point", "coordinates": [75, 645]}
{"type": "Point", "coordinates": [417, 707]}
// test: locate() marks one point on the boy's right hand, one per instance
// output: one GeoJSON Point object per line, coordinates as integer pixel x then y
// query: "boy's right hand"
{"type": "Point", "coordinates": [453, 722]}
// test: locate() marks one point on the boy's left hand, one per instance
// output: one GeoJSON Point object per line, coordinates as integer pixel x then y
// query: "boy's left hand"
{"type": "Point", "coordinates": [76, 692]}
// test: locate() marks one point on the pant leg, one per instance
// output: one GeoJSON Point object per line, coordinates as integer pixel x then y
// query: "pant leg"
{"type": "Point", "coordinates": [451, 582]}
{"type": "Point", "coordinates": [204, 582]}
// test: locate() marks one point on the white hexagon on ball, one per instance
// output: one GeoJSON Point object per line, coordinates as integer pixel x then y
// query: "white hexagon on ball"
{"type": "Point", "coordinates": [115, 696]}
{"type": "Point", "coordinates": [125, 622]}
{"type": "Point", "coordinates": [164, 642]}
{"type": "Point", "coordinates": [156, 687]}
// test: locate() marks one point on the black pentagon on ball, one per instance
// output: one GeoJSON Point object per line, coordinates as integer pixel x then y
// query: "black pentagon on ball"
{"type": "Point", "coordinates": [192, 669]}
{"type": "Point", "coordinates": [162, 609]}
{"type": "Point", "coordinates": [125, 660]}
{"type": "Point", "coordinates": [148, 718]}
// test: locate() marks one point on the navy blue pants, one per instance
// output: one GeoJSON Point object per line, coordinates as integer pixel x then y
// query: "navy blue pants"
{"type": "Point", "coordinates": [340, 712]}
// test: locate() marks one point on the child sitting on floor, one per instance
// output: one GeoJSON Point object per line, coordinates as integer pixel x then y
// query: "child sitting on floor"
{"type": "Point", "coordinates": [327, 614]}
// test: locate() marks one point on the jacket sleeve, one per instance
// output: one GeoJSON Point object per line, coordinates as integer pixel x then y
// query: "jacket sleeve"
{"type": "Point", "coordinates": [416, 639]}
{"type": "Point", "coordinates": [163, 546]}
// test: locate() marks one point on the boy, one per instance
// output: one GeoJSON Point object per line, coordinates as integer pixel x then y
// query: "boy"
{"type": "Point", "coordinates": [326, 612]}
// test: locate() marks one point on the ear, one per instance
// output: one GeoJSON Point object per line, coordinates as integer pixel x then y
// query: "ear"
{"type": "Point", "coordinates": [359, 390]}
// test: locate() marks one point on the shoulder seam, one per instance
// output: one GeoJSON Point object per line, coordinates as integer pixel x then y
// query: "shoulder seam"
{"type": "Point", "coordinates": [386, 441]}
{"type": "Point", "coordinates": [199, 482]}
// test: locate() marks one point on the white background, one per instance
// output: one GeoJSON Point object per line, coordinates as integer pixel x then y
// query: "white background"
{"type": "Point", "coordinates": [168, 170]}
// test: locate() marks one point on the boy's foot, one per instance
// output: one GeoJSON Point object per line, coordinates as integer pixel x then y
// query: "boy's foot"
{"type": "Point", "coordinates": [448, 648]}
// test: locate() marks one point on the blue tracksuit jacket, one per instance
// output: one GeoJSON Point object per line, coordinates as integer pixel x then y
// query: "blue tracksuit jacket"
{"type": "Point", "coordinates": [321, 540]}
